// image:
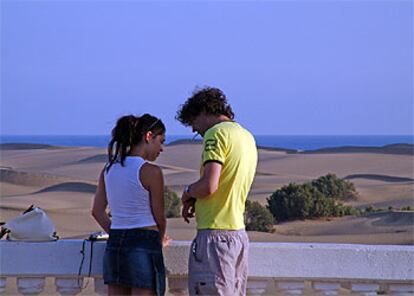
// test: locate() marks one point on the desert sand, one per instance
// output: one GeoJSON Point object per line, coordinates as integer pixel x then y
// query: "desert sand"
{"type": "Point", "coordinates": [62, 181]}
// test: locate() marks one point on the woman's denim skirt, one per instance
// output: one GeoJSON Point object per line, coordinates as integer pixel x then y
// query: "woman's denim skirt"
{"type": "Point", "coordinates": [133, 258]}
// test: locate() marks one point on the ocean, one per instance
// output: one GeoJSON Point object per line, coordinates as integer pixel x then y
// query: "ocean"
{"type": "Point", "coordinates": [275, 141]}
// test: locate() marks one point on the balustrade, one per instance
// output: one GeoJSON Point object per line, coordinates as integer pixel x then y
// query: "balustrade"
{"type": "Point", "coordinates": [274, 268]}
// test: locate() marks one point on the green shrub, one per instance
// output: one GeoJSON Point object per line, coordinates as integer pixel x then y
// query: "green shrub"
{"type": "Point", "coordinates": [322, 206]}
{"type": "Point", "coordinates": [369, 209]}
{"type": "Point", "coordinates": [350, 211]}
{"type": "Point", "coordinates": [334, 187]}
{"type": "Point", "coordinates": [342, 210]}
{"type": "Point", "coordinates": [172, 204]}
{"type": "Point", "coordinates": [312, 200]}
{"type": "Point", "coordinates": [257, 217]}
{"type": "Point", "coordinates": [339, 211]}
{"type": "Point", "coordinates": [299, 202]}
{"type": "Point", "coordinates": [291, 201]}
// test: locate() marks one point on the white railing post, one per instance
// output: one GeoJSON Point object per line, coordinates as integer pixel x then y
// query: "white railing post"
{"type": "Point", "coordinates": [256, 286]}
{"type": "Point", "coordinates": [177, 286]}
{"type": "Point", "coordinates": [30, 285]}
{"type": "Point", "coordinates": [364, 289]}
{"type": "Point", "coordinates": [326, 288]}
{"type": "Point", "coordinates": [291, 287]}
{"type": "Point", "coordinates": [68, 285]}
{"type": "Point", "coordinates": [400, 289]}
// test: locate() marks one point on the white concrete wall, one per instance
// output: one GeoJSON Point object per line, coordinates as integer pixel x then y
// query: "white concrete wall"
{"type": "Point", "coordinates": [362, 269]}
{"type": "Point", "coordinates": [269, 260]}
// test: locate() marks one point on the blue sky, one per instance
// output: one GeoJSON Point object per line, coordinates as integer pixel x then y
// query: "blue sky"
{"type": "Point", "coordinates": [287, 67]}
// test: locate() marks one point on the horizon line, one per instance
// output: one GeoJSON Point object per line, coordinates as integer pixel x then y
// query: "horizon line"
{"type": "Point", "coordinates": [192, 134]}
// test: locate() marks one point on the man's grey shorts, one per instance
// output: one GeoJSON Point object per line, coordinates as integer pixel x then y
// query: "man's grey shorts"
{"type": "Point", "coordinates": [218, 263]}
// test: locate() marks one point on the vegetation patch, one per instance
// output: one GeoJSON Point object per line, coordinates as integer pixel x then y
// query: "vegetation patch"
{"type": "Point", "coordinates": [172, 204]}
{"type": "Point", "coordinates": [258, 218]}
{"type": "Point", "coordinates": [320, 198]}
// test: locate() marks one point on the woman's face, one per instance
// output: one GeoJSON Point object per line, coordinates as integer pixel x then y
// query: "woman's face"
{"type": "Point", "coordinates": [155, 146]}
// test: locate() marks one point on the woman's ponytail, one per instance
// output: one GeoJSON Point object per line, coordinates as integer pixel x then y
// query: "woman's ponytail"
{"type": "Point", "coordinates": [127, 133]}
{"type": "Point", "coordinates": [124, 137]}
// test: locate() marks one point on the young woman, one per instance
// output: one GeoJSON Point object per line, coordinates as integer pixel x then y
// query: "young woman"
{"type": "Point", "coordinates": [134, 190]}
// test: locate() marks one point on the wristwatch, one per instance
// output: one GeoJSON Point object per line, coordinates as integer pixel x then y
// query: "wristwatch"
{"type": "Point", "coordinates": [187, 189]}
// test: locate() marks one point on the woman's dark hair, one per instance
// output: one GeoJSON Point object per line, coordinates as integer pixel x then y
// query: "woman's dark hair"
{"type": "Point", "coordinates": [211, 101]}
{"type": "Point", "coordinates": [128, 132]}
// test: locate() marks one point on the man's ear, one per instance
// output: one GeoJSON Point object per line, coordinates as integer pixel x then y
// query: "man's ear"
{"type": "Point", "coordinates": [148, 136]}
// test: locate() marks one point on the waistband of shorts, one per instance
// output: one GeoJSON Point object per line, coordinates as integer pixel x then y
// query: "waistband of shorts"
{"type": "Point", "coordinates": [208, 230]}
{"type": "Point", "coordinates": [219, 234]}
{"type": "Point", "coordinates": [220, 231]}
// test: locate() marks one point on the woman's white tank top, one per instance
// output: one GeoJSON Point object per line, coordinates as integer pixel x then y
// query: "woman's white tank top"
{"type": "Point", "coordinates": [128, 200]}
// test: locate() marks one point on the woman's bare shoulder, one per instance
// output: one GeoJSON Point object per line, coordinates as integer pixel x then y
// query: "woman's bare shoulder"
{"type": "Point", "coordinates": [150, 172]}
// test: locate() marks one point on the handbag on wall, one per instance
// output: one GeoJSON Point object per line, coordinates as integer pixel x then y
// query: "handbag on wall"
{"type": "Point", "coordinates": [33, 225]}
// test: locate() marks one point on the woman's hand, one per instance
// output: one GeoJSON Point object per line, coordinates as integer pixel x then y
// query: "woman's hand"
{"type": "Point", "coordinates": [166, 240]}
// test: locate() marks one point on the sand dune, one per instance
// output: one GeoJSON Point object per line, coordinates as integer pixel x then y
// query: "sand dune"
{"type": "Point", "coordinates": [186, 156]}
{"type": "Point", "coordinates": [176, 169]}
{"type": "Point", "coordinates": [102, 158]}
{"type": "Point", "coordinates": [340, 164]}
{"type": "Point", "coordinates": [62, 181]}
{"type": "Point", "coordinates": [45, 160]}
{"type": "Point", "coordinates": [70, 187]}
{"type": "Point", "coordinates": [367, 229]}
{"type": "Point", "coordinates": [379, 177]}
{"type": "Point", "coordinates": [29, 179]}
{"type": "Point", "coordinates": [180, 178]}
{"type": "Point", "coordinates": [26, 146]}
{"type": "Point", "coordinates": [89, 172]}
{"type": "Point", "coordinates": [404, 149]}
{"type": "Point", "coordinates": [393, 218]}
{"type": "Point", "coordinates": [383, 194]}
{"type": "Point", "coordinates": [9, 189]}
{"type": "Point", "coordinates": [395, 203]}
{"type": "Point", "coordinates": [50, 201]}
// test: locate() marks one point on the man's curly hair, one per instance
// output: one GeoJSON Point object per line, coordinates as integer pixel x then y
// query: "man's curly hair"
{"type": "Point", "coordinates": [209, 100]}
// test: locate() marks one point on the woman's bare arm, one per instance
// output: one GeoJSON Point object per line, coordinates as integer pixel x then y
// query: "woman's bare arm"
{"type": "Point", "coordinates": [153, 180]}
{"type": "Point", "coordinates": [100, 203]}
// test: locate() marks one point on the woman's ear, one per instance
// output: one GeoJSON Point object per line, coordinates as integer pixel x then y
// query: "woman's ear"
{"type": "Point", "coordinates": [148, 136]}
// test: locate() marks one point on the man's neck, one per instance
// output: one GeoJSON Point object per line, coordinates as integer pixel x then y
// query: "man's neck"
{"type": "Point", "coordinates": [218, 119]}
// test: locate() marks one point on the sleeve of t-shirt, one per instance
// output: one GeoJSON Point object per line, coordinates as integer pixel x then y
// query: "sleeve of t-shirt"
{"type": "Point", "coordinates": [214, 146]}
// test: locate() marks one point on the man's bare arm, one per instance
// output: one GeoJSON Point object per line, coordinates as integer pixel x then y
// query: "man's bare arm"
{"type": "Point", "coordinates": [208, 183]}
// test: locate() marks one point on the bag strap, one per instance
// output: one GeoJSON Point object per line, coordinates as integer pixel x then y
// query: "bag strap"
{"type": "Point", "coordinates": [29, 209]}
{"type": "Point", "coordinates": [3, 231]}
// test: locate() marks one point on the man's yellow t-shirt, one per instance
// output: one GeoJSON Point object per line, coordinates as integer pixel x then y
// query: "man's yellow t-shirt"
{"type": "Point", "coordinates": [235, 149]}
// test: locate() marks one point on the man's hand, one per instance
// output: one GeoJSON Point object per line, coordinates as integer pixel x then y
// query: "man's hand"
{"type": "Point", "coordinates": [188, 206]}
{"type": "Point", "coordinates": [188, 210]}
{"type": "Point", "coordinates": [185, 197]}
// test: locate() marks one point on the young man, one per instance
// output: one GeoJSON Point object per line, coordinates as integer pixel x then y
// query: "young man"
{"type": "Point", "coordinates": [218, 258]}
